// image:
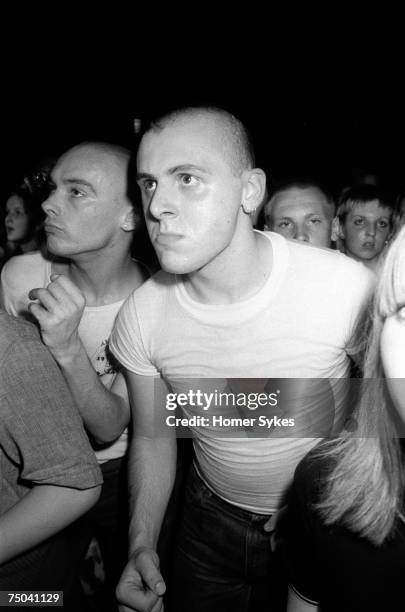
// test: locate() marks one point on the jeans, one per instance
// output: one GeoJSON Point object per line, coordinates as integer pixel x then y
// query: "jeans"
{"type": "Point", "coordinates": [223, 560]}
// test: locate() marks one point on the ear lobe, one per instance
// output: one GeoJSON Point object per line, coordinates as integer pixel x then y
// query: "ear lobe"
{"type": "Point", "coordinates": [248, 208]}
{"type": "Point", "coordinates": [129, 223]}
{"type": "Point", "coordinates": [254, 190]}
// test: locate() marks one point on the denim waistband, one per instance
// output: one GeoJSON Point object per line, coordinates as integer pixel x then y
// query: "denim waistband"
{"type": "Point", "coordinates": [197, 481]}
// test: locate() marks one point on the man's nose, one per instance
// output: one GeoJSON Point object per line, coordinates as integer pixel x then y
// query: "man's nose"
{"type": "Point", "coordinates": [162, 203]}
{"type": "Point", "coordinates": [301, 233]}
{"type": "Point", "coordinates": [51, 206]}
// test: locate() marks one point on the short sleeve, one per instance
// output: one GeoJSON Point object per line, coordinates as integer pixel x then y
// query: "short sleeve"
{"type": "Point", "coordinates": [127, 340]}
{"type": "Point", "coordinates": [7, 291]}
{"type": "Point", "coordinates": [41, 429]}
{"type": "Point", "coordinates": [19, 275]}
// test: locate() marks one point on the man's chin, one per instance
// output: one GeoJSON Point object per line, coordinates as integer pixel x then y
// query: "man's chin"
{"type": "Point", "coordinates": [176, 265]}
{"type": "Point", "coordinates": [55, 251]}
{"type": "Point", "coordinates": [58, 250]}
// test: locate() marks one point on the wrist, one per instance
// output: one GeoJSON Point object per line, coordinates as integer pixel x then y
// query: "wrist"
{"type": "Point", "coordinates": [139, 543]}
{"type": "Point", "coordinates": [141, 549]}
{"type": "Point", "coordinates": [68, 353]}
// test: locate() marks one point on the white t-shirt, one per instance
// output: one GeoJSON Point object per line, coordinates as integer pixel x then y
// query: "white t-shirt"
{"type": "Point", "coordinates": [299, 325]}
{"type": "Point", "coordinates": [25, 272]}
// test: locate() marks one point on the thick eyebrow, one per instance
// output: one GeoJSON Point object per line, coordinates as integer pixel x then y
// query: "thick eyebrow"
{"type": "Point", "coordinates": [74, 181]}
{"type": "Point", "coordinates": [144, 175]}
{"type": "Point", "coordinates": [182, 168]}
{"type": "Point", "coordinates": [188, 168]}
{"type": "Point", "coordinates": [283, 218]}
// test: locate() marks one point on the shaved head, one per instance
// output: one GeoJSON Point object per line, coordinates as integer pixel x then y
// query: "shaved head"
{"type": "Point", "coordinates": [110, 159]}
{"type": "Point", "coordinates": [112, 152]}
{"type": "Point", "coordinates": [233, 135]}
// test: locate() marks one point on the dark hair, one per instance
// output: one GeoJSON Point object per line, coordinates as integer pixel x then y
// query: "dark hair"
{"type": "Point", "coordinates": [362, 194]}
{"type": "Point", "coordinates": [399, 200]}
{"type": "Point", "coordinates": [32, 200]}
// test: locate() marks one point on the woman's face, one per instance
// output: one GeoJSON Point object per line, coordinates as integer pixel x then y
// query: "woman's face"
{"type": "Point", "coordinates": [17, 222]}
{"type": "Point", "coordinates": [366, 228]}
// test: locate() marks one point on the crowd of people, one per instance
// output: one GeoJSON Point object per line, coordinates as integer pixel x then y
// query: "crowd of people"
{"type": "Point", "coordinates": [254, 292]}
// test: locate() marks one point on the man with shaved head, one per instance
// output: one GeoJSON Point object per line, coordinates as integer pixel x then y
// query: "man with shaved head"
{"type": "Point", "coordinates": [232, 134]}
{"type": "Point", "coordinates": [301, 210]}
{"type": "Point", "coordinates": [76, 293]}
{"type": "Point", "coordinates": [233, 308]}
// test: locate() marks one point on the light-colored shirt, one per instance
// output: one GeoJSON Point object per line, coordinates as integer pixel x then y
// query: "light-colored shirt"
{"type": "Point", "coordinates": [299, 325]}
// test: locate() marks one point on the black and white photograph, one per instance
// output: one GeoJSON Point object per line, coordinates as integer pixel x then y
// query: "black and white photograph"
{"type": "Point", "coordinates": [202, 343]}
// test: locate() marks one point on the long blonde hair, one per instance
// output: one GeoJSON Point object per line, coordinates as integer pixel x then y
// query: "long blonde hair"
{"type": "Point", "coordinates": [365, 489]}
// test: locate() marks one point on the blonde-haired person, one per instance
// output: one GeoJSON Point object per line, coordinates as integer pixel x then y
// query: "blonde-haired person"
{"type": "Point", "coordinates": [345, 525]}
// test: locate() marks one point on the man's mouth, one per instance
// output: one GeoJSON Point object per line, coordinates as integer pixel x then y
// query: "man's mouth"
{"type": "Point", "coordinates": [49, 228]}
{"type": "Point", "coordinates": [166, 238]}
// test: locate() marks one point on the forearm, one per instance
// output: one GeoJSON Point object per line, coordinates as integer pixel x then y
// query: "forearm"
{"type": "Point", "coordinates": [44, 511]}
{"type": "Point", "coordinates": [104, 413]}
{"type": "Point", "coordinates": [152, 471]}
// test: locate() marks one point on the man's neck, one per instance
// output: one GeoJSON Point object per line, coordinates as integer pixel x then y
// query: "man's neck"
{"type": "Point", "coordinates": [102, 279]}
{"type": "Point", "coordinates": [235, 275]}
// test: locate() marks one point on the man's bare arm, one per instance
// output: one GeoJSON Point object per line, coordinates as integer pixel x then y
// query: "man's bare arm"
{"type": "Point", "coordinates": [105, 412]}
{"type": "Point", "coordinates": [44, 511]}
{"type": "Point", "coordinates": [152, 468]}
{"type": "Point", "coordinates": [58, 310]}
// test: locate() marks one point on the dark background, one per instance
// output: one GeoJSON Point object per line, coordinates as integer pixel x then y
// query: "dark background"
{"type": "Point", "coordinates": [327, 128]}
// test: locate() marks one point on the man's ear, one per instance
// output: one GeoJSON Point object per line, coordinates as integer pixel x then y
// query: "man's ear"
{"type": "Point", "coordinates": [129, 222]}
{"type": "Point", "coordinates": [254, 189]}
{"type": "Point", "coordinates": [337, 232]}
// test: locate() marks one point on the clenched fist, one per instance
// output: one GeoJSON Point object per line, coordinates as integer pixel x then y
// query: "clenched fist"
{"type": "Point", "coordinates": [58, 310]}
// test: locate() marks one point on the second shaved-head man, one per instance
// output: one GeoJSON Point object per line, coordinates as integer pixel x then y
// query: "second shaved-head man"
{"type": "Point", "coordinates": [301, 210]}
{"type": "Point", "coordinates": [76, 293]}
{"type": "Point", "coordinates": [231, 304]}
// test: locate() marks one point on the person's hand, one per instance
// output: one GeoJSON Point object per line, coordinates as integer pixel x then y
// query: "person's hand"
{"type": "Point", "coordinates": [141, 587]}
{"type": "Point", "coordinates": [270, 527]}
{"type": "Point", "coordinates": [58, 310]}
